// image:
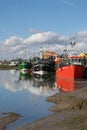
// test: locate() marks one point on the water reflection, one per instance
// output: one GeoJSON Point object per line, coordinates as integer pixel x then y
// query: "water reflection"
{"type": "Point", "coordinates": [68, 85]}
{"type": "Point", "coordinates": [43, 85]}
{"type": "Point", "coordinates": [25, 76]}
{"type": "Point", "coordinates": [8, 79]}
{"type": "Point", "coordinates": [36, 84]}
{"type": "Point", "coordinates": [25, 95]}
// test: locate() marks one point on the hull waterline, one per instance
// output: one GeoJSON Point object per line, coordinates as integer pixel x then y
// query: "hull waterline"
{"type": "Point", "coordinates": [25, 67]}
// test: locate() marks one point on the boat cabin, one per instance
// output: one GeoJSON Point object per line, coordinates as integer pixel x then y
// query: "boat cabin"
{"type": "Point", "coordinates": [72, 60]}
{"type": "Point", "coordinates": [76, 60]}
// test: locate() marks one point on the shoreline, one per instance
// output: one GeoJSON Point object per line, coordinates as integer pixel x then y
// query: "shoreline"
{"type": "Point", "coordinates": [6, 67]}
{"type": "Point", "coordinates": [7, 119]}
{"type": "Point", "coordinates": [70, 112]}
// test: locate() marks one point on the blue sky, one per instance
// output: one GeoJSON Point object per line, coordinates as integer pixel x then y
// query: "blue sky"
{"type": "Point", "coordinates": [35, 23]}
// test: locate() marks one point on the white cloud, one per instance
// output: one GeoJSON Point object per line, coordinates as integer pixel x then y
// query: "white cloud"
{"type": "Point", "coordinates": [33, 30]}
{"type": "Point", "coordinates": [14, 46]}
{"type": "Point", "coordinates": [69, 3]}
{"type": "Point", "coordinates": [44, 37]}
{"type": "Point", "coordinates": [12, 41]}
{"type": "Point", "coordinates": [82, 33]}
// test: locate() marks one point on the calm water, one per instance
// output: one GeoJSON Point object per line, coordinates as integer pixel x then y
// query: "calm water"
{"type": "Point", "coordinates": [25, 95]}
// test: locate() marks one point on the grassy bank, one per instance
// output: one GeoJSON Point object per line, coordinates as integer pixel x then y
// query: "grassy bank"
{"type": "Point", "coordinates": [7, 67]}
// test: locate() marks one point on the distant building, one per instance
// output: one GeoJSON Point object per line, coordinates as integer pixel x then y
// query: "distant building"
{"type": "Point", "coordinates": [47, 54]}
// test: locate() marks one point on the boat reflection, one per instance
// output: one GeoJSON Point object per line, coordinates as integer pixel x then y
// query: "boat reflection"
{"type": "Point", "coordinates": [65, 84]}
{"type": "Point", "coordinates": [38, 84]}
{"type": "Point", "coordinates": [43, 80]}
{"type": "Point", "coordinates": [24, 76]}
{"type": "Point", "coordinates": [45, 84]}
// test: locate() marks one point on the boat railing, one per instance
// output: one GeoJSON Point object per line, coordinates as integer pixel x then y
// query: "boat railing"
{"type": "Point", "coordinates": [77, 61]}
{"type": "Point", "coordinates": [72, 61]}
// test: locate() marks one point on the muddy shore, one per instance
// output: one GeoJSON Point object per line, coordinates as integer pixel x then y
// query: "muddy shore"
{"type": "Point", "coordinates": [8, 118]}
{"type": "Point", "coordinates": [70, 112]}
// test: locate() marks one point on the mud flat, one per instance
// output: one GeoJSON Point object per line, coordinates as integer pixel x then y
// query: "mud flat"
{"type": "Point", "coordinates": [8, 118]}
{"type": "Point", "coordinates": [69, 112]}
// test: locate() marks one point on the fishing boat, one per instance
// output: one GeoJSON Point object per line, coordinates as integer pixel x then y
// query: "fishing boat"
{"type": "Point", "coordinates": [43, 66]}
{"type": "Point", "coordinates": [71, 66]}
{"type": "Point", "coordinates": [25, 67]}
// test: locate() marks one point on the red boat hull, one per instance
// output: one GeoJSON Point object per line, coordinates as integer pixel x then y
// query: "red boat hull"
{"type": "Point", "coordinates": [71, 71]}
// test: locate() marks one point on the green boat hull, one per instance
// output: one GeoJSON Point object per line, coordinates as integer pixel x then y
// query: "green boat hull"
{"type": "Point", "coordinates": [25, 67]}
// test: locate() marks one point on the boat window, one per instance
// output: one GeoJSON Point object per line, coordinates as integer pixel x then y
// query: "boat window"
{"type": "Point", "coordinates": [79, 60]}
{"type": "Point", "coordinates": [75, 60]}
{"type": "Point", "coordinates": [72, 60]}
{"type": "Point", "coordinates": [84, 61]}
{"type": "Point", "coordinates": [69, 61]}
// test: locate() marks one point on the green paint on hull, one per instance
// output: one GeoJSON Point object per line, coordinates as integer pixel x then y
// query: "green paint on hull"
{"type": "Point", "coordinates": [25, 65]}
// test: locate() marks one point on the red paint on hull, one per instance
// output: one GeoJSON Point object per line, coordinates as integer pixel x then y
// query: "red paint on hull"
{"type": "Point", "coordinates": [71, 71]}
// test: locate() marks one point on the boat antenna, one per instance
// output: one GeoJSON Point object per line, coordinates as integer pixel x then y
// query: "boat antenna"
{"type": "Point", "coordinates": [73, 41]}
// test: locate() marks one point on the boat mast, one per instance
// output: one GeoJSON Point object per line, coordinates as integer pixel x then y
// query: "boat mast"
{"type": "Point", "coordinates": [41, 51]}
